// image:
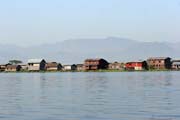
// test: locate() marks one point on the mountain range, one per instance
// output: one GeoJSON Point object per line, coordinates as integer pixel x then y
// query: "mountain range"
{"type": "Point", "coordinates": [76, 50]}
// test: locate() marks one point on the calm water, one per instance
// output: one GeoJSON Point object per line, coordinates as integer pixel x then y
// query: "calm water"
{"type": "Point", "coordinates": [90, 96]}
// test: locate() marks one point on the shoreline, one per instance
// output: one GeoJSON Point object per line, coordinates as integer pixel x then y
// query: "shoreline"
{"type": "Point", "coordinates": [95, 71]}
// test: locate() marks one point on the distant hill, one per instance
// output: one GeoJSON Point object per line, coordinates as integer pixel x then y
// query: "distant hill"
{"type": "Point", "coordinates": [76, 50]}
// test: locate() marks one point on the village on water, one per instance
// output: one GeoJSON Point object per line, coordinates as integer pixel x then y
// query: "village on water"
{"type": "Point", "coordinates": [37, 65]}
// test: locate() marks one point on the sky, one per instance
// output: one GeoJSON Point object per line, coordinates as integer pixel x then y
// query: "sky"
{"type": "Point", "coordinates": [31, 22]}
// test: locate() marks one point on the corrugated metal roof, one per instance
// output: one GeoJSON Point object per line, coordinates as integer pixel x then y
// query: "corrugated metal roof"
{"type": "Point", "coordinates": [35, 60]}
{"type": "Point", "coordinates": [93, 59]}
{"type": "Point", "coordinates": [52, 64]}
{"type": "Point", "coordinates": [66, 65]}
{"type": "Point", "coordinates": [176, 63]}
{"type": "Point", "coordinates": [175, 60]}
{"type": "Point", "coordinates": [79, 65]}
{"type": "Point", "coordinates": [116, 63]}
{"type": "Point", "coordinates": [159, 58]}
{"type": "Point", "coordinates": [12, 66]}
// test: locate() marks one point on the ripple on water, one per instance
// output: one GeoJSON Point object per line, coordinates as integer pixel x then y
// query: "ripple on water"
{"type": "Point", "coordinates": [90, 96]}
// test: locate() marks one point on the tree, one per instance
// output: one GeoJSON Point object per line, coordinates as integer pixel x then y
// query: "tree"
{"type": "Point", "coordinates": [15, 62]}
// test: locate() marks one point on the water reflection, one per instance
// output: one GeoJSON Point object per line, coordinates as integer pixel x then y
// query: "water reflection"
{"type": "Point", "coordinates": [97, 99]}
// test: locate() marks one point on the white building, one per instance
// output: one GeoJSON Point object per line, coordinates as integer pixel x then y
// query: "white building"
{"type": "Point", "coordinates": [69, 67]}
{"type": "Point", "coordinates": [36, 64]}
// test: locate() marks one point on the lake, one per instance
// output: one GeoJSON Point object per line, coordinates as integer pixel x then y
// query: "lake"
{"type": "Point", "coordinates": [90, 96]}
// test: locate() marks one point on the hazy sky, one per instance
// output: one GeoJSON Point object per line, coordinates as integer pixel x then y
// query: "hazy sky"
{"type": "Point", "coordinates": [27, 22]}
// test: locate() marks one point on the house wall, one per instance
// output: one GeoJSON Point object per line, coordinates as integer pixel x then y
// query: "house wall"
{"type": "Point", "coordinates": [10, 70]}
{"type": "Point", "coordinates": [42, 65]}
{"type": "Point", "coordinates": [159, 63]}
{"type": "Point", "coordinates": [24, 67]}
{"type": "Point", "coordinates": [81, 68]}
{"type": "Point", "coordinates": [176, 66]}
{"type": "Point", "coordinates": [34, 67]}
{"type": "Point", "coordinates": [116, 66]}
{"type": "Point", "coordinates": [52, 69]}
{"type": "Point", "coordinates": [91, 67]}
{"type": "Point", "coordinates": [136, 66]}
{"type": "Point", "coordinates": [67, 68]}
{"type": "Point", "coordinates": [95, 64]}
{"type": "Point", "coordinates": [2, 68]}
{"type": "Point", "coordinates": [13, 69]}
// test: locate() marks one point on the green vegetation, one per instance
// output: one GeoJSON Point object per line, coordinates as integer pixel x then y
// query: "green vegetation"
{"type": "Point", "coordinates": [15, 62]}
{"type": "Point", "coordinates": [105, 71]}
{"type": "Point", "coordinates": [151, 70]}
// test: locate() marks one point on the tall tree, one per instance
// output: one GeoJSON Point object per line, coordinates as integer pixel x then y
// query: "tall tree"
{"type": "Point", "coordinates": [15, 62]}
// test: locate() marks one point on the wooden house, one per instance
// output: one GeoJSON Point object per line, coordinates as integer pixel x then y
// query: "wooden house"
{"type": "Point", "coordinates": [116, 66]}
{"type": "Point", "coordinates": [80, 67]}
{"type": "Point", "coordinates": [12, 68]}
{"type": "Point", "coordinates": [24, 67]}
{"type": "Point", "coordinates": [136, 65]}
{"type": "Point", "coordinates": [176, 64]}
{"type": "Point", "coordinates": [53, 66]}
{"type": "Point", "coordinates": [3, 67]}
{"type": "Point", "coordinates": [69, 67]}
{"type": "Point", "coordinates": [95, 64]}
{"type": "Point", "coordinates": [36, 64]}
{"type": "Point", "coordinates": [159, 63]}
